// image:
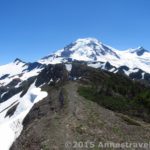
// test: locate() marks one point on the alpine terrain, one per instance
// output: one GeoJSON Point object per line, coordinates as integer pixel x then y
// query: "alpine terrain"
{"type": "Point", "coordinates": [86, 92]}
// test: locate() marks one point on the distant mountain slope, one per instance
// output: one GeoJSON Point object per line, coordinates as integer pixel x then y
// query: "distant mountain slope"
{"type": "Point", "coordinates": [90, 49]}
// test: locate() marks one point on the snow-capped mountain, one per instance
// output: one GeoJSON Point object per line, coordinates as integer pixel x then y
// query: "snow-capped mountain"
{"type": "Point", "coordinates": [18, 69]}
{"type": "Point", "coordinates": [21, 82]}
{"type": "Point", "coordinates": [91, 50]}
{"type": "Point", "coordinates": [139, 51]}
{"type": "Point", "coordinates": [88, 49]}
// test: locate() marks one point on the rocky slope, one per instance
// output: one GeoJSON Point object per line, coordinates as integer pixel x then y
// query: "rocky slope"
{"type": "Point", "coordinates": [66, 116]}
{"type": "Point", "coordinates": [49, 126]}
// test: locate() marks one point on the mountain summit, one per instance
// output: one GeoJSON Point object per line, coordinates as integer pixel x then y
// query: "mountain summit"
{"type": "Point", "coordinates": [139, 51]}
{"type": "Point", "coordinates": [87, 49]}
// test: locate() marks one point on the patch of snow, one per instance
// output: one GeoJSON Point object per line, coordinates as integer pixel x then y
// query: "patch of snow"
{"type": "Point", "coordinates": [112, 70]}
{"type": "Point", "coordinates": [68, 67]}
{"type": "Point", "coordinates": [7, 136]}
{"type": "Point", "coordinates": [143, 75]}
{"type": "Point", "coordinates": [3, 94]}
{"type": "Point", "coordinates": [32, 73]}
{"type": "Point", "coordinates": [131, 71]}
{"type": "Point", "coordinates": [12, 68]}
{"type": "Point", "coordinates": [11, 127]}
{"type": "Point", "coordinates": [95, 65]}
{"type": "Point", "coordinates": [51, 80]}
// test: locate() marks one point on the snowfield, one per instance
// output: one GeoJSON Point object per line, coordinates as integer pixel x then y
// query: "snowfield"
{"type": "Point", "coordinates": [11, 127]}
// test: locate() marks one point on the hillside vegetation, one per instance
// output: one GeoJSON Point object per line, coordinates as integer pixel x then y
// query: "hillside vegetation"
{"type": "Point", "coordinates": [118, 93]}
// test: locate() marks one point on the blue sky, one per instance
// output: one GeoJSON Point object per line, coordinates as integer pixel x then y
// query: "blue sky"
{"type": "Point", "coordinates": [31, 29]}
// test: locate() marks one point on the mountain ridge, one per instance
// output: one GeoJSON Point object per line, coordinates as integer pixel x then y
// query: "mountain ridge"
{"type": "Point", "coordinates": [91, 51]}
